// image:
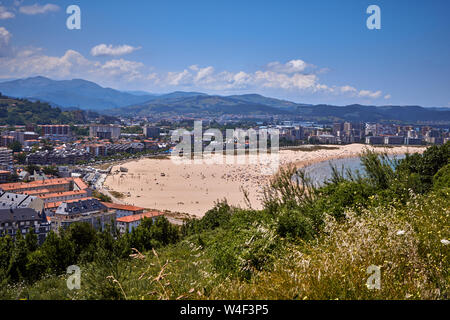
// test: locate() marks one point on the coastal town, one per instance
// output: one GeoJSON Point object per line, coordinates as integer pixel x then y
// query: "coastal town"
{"type": "Point", "coordinates": [56, 175]}
{"type": "Point", "coordinates": [224, 159]}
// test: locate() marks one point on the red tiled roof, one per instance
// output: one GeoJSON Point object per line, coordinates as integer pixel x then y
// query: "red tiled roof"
{"type": "Point", "coordinates": [137, 217]}
{"type": "Point", "coordinates": [37, 183]}
{"type": "Point", "coordinates": [62, 194]}
{"type": "Point", "coordinates": [43, 183]}
{"type": "Point", "coordinates": [34, 192]}
{"type": "Point", "coordinates": [123, 207]}
{"type": "Point", "coordinates": [52, 205]}
{"type": "Point", "coordinates": [80, 183]}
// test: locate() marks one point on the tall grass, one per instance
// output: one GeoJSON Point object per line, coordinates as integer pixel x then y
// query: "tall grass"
{"type": "Point", "coordinates": [405, 244]}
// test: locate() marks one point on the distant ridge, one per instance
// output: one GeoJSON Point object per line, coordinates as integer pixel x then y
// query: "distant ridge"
{"type": "Point", "coordinates": [254, 105]}
{"type": "Point", "coordinates": [86, 95]}
{"type": "Point", "coordinates": [70, 93]}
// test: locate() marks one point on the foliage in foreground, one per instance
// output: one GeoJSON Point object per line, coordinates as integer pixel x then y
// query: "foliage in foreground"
{"type": "Point", "coordinates": [308, 243]}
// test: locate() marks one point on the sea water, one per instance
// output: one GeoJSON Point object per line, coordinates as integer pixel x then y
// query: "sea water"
{"type": "Point", "coordinates": [321, 171]}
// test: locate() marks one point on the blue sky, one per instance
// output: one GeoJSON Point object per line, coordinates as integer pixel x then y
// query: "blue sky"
{"type": "Point", "coordinates": [306, 51]}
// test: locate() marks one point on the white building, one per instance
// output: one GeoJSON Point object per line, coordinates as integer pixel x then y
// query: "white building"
{"type": "Point", "coordinates": [123, 210]}
{"type": "Point", "coordinates": [128, 223]}
{"type": "Point", "coordinates": [6, 158]}
{"type": "Point", "coordinates": [106, 131]}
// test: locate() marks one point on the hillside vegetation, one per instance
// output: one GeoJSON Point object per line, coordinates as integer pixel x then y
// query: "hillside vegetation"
{"type": "Point", "coordinates": [256, 105]}
{"type": "Point", "coordinates": [307, 243]}
{"type": "Point", "coordinates": [21, 111]}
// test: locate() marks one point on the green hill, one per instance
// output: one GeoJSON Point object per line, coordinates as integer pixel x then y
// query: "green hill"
{"type": "Point", "coordinates": [199, 105]}
{"type": "Point", "coordinates": [254, 105]}
{"type": "Point", "coordinates": [21, 111]}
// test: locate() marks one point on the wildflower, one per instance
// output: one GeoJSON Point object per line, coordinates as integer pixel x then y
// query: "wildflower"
{"type": "Point", "coordinates": [445, 242]}
{"type": "Point", "coordinates": [401, 232]}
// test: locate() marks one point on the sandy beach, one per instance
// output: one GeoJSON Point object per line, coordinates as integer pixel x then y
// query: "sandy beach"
{"type": "Point", "coordinates": [194, 188]}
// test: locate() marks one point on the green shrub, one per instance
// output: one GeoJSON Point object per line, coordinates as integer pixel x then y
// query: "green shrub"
{"type": "Point", "coordinates": [241, 252]}
{"type": "Point", "coordinates": [441, 179]}
{"type": "Point", "coordinates": [295, 224]}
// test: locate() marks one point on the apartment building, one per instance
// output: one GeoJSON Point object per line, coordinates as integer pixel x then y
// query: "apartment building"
{"type": "Point", "coordinates": [55, 131]}
{"type": "Point", "coordinates": [64, 196]}
{"type": "Point", "coordinates": [15, 220]}
{"type": "Point", "coordinates": [58, 157]}
{"type": "Point", "coordinates": [6, 158]}
{"type": "Point", "coordinates": [105, 131]}
{"type": "Point", "coordinates": [128, 223]}
{"type": "Point", "coordinates": [42, 187]}
{"type": "Point", "coordinates": [90, 211]}
{"type": "Point", "coordinates": [10, 200]}
{"type": "Point", "coordinates": [123, 210]}
{"type": "Point", "coordinates": [152, 132]}
{"type": "Point", "coordinates": [97, 149]}
{"type": "Point", "coordinates": [394, 140]}
{"type": "Point", "coordinates": [374, 140]}
{"type": "Point", "coordinates": [4, 176]}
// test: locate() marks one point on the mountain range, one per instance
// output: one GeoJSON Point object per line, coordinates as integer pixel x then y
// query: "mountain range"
{"type": "Point", "coordinates": [86, 95]}
{"type": "Point", "coordinates": [76, 93]}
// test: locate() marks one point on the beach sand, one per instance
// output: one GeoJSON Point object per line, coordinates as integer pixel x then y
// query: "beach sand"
{"type": "Point", "coordinates": [192, 188]}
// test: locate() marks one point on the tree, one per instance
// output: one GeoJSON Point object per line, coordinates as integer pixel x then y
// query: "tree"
{"type": "Point", "coordinates": [15, 146]}
{"type": "Point", "coordinates": [31, 240]}
{"type": "Point", "coordinates": [102, 197]}
{"type": "Point", "coordinates": [19, 258]}
{"type": "Point", "coordinates": [36, 265]}
{"type": "Point", "coordinates": [163, 231]}
{"type": "Point", "coordinates": [59, 252]}
{"type": "Point", "coordinates": [31, 168]}
{"type": "Point", "coordinates": [441, 179]}
{"type": "Point", "coordinates": [50, 170]}
{"type": "Point", "coordinates": [83, 236]}
{"type": "Point", "coordinates": [425, 166]}
{"type": "Point", "coordinates": [151, 234]}
{"type": "Point", "coordinates": [6, 249]}
{"type": "Point", "coordinates": [21, 158]}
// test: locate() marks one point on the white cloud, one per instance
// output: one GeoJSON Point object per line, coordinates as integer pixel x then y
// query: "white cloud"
{"type": "Point", "coordinates": [5, 36]}
{"type": "Point", "coordinates": [38, 9]}
{"type": "Point", "coordinates": [110, 50]}
{"type": "Point", "coordinates": [276, 75]}
{"type": "Point", "coordinates": [272, 79]}
{"type": "Point", "coordinates": [345, 89]}
{"type": "Point", "coordinates": [32, 62]}
{"type": "Point", "coordinates": [387, 97]}
{"type": "Point", "coordinates": [288, 76]}
{"type": "Point", "coordinates": [120, 72]}
{"type": "Point", "coordinates": [5, 14]}
{"type": "Point", "coordinates": [204, 75]}
{"type": "Point", "coordinates": [129, 70]}
{"type": "Point", "coordinates": [292, 66]}
{"type": "Point", "coordinates": [369, 94]}
{"type": "Point", "coordinates": [179, 78]}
